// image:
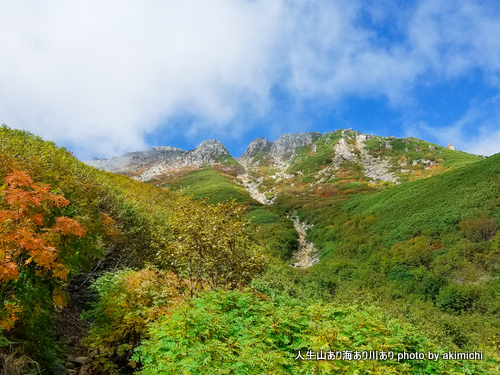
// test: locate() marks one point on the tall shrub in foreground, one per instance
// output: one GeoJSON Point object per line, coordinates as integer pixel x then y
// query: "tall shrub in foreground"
{"type": "Point", "coordinates": [211, 245]}
{"type": "Point", "coordinates": [128, 301]}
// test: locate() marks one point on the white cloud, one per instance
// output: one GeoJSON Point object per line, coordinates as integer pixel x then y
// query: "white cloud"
{"type": "Point", "coordinates": [108, 72]}
{"type": "Point", "coordinates": [102, 75]}
{"type": "Point", "coordinates": [453, 37]}
{"type": "Point", "coordinates": [335, 54]}
{"type": "Point", "coordinates": [476, 132]}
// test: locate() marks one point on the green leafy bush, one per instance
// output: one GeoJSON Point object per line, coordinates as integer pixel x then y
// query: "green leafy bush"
{"type": "Point", "coordinates": [236, 332]}
{"type": "Point", "coordinates": [480, 229]}
{"type": "Point", "coordinates": [456, 298]}
{"type": "Point", "coordinates": [211, 244]}
{"type": "Point", "coordinates": [128, 301]}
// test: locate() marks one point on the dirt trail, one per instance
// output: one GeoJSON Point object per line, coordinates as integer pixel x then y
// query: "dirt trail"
{"type": "Point", "coordinates": [73, 328]}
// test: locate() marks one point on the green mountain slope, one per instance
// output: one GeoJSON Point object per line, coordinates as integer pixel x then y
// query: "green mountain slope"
{"type": "Point", "coordinates": [432, 244]}
{"type": "Point", "coordinates": [187, 285]}
{"type": "Point", "coordinates": [437, 204]}
{"type": "Point", "coordinates": [207, 183]}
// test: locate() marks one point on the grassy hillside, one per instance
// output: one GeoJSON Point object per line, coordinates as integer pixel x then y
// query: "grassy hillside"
{"type": "Point", "coordinates": [437, 204]}
{"type": "Point", "coordinates": [211, 184]}
{"type": "Point", "coordinates": [182, 285]}
{"type": "Point", "coordinates": [429, 247]}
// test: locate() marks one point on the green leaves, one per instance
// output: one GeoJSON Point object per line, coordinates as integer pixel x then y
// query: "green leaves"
{"type": "Point", "coordinates": [128, 302]}
{"type": "Point", "coordinates": [211, 246]}
{"type": "Point", "coordinates": [234, 332]}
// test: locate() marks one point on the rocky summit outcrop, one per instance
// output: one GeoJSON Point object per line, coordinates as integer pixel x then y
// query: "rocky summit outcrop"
{"type": "Point", "coordinates": [207, 152]}
{"type": "Point", "coordinates": [278, 153]}
{"type": "Point", "coordinates": [343, 151]}
{"type": "Point", "coordinates": [284, 147]}
{"type": "Point", "coordinates": [145, 165]}
{"type": "Point", "coordinates": [256, 147]}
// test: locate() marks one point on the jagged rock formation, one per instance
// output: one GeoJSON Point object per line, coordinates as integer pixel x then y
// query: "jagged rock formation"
{"type": "Point", "coordinates": [282, 150]}
{"type": "Point", "coordinates": [137, 159]}
{"type": "Point", "coordinates": [145, 165]}
{"type": "Point", "coordinates": [380, 159]}
{"type": "Point", "coordinates": [278, 153]}
{"type": "Point", "coordinates": [312, 163]}
{"type": "Point", "coordinates": [207, 152]}
{"type": "Point", "coordinates": [256, 147]}
{"type": "Point", "coordinates": [343, 151]}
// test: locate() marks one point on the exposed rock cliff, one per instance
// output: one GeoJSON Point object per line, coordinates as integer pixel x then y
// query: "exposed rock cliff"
{"type": "Point", "coordinates": [256, 147]}
{"type": "Point", "coordinates": [282, 150]}
{"type": "Point", "coordinates": [135, 160]}
{"type": "Point", "coordinates": [320, 157]}
{"type": "Point", "coordinates": [145, 165]}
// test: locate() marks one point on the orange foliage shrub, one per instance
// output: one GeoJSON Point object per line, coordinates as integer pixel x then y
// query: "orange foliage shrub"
{"type": "Point", "coordinates": [25, 239]}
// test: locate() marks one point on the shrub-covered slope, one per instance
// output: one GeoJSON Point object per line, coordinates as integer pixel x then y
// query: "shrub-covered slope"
{"type": "Point", "coordinates": [431, 245]}
{"type": "Point", "coordinates": [437, 204]}
{"type": "Point", "coordinates": [59, 219]}
{"type": "Point", "coordinates": [183, 285]}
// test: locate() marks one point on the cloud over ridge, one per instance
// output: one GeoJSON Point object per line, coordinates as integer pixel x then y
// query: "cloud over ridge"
{"type": "Point", "coordinates": [101, 76]}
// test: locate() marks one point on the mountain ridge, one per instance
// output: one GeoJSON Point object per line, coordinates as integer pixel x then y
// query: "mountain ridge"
{"type": "Point", "coordinates": [382, 159]}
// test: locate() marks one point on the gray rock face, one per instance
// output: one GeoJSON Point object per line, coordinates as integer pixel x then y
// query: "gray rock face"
{"type": "Point", "coordinates": [137, 159]}
{"type": "Point", "coordinates": [157, 160]}
{"type": "Point", "coordinates": [256, 147]}
{"type": "Point", "coordinates": [451, 147]}
{"type": "Point", "coordinates": [281, 151]}
{"type": "Point", "coordinates": [343, 151]}
{"type": "Point", "coordinates": [285, 145]}
{"type": "Point", "coordinates": [207, 152]}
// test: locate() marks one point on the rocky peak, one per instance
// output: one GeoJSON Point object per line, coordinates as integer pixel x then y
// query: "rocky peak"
{"type": "Point", "coordinates": [208, 151]}
{"type": "Point", "coordinates": [343, 150]}
{"type": "Point", "coordinates": [144, 165]}
{"type": "Point", "coordinates": [451, 147]}
{"type": "Point", "coordinates": [138, 159]}
{"type": "Point", "coordinates": [288, 143]}
{"type": "Point", "coordinates": [257, 146]}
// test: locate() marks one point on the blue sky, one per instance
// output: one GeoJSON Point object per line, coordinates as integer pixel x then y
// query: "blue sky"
{"type": "Point", "coordinates": [107, 78]}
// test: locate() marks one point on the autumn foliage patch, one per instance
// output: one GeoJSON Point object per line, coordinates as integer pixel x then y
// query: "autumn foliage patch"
{"type": "Point", "coordinates": [29, 237]}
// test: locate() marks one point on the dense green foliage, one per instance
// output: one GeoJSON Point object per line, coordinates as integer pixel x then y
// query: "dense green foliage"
{"type": "Point", "coordinates": [211, 246]}
{"type": "Point", "coordinates": [204, 285]}
{"type": "Point", "coordinates": [244, 333]}
{"type": "Point", "coordinates": [437, 204]}
{"type": "Point", "coordinates": [128, 302]}
{"type": "Point", "coordinates": [37, 295]}
{"type": "Point", "coordinates": [431, 245]}
{"type": "Point", "coordinates": [121, 220]}
{"type": "Point", "coordinates": [273, 231]}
